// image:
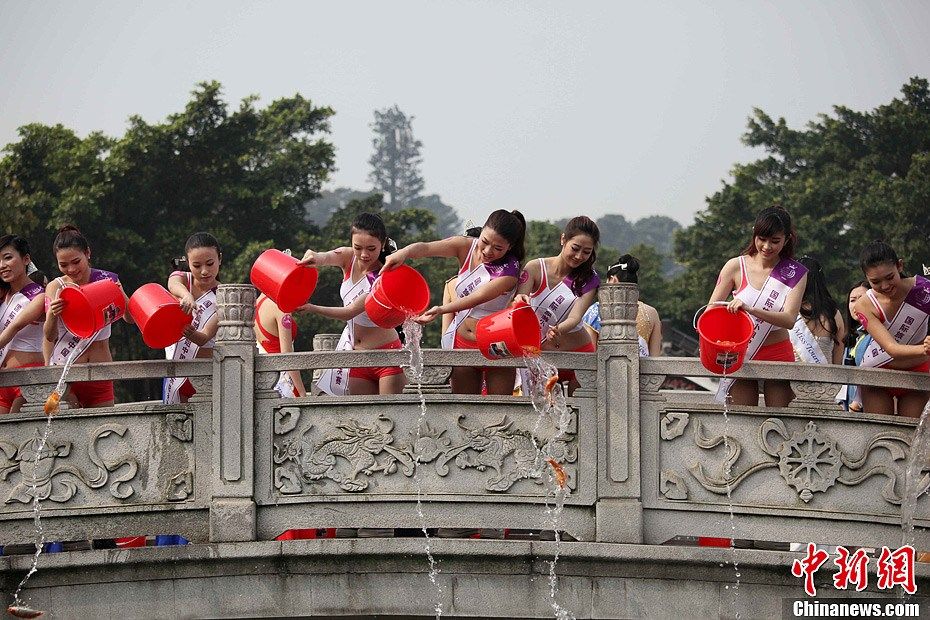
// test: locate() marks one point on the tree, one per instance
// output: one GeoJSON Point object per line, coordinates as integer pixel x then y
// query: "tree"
{"type": "Point", "coordinates": [241, 174]}
{"type": "Point", "coordinates": [846, 179]}
{"type": "Point", "coordinates": [395, 164]}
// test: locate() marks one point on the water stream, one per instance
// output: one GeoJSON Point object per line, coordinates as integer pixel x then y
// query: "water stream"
{"type": "Point", "coordinates": [413, 332]}
{"type": "Point", "coordinates": [916, 482]}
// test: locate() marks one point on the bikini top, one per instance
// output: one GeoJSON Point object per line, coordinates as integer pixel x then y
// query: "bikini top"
{"type": "Point", "coordinates": [29, 338]}
{"type": "Point", "coordinates": [553, 305]}
{"type": "Point", "coordinates": [471, 278]}
{"type": "Point", "coordinates": [272, 343]}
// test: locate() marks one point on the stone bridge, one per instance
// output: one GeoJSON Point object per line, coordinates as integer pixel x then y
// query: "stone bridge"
{"type": "Point", "coordinates": [237, 466]}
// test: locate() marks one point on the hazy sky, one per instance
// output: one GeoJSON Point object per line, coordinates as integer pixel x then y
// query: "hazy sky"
{"type": "Point", "coordinates": [555, 108]}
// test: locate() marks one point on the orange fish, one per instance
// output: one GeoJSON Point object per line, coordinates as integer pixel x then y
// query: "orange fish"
{"type": "Point", "coordinates": [560, 476]}
{"type": "Point", "coordinates": [22, 611]}
{"type": "Point", "coordinates": [51, 403]}
{"type": "Point", "coordinates": [726, 343]}
{"type": "Point", "coordinates": [550, 383]}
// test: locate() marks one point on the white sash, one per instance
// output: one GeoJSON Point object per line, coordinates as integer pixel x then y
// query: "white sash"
{"type": "Point", "coordinates": [643, 347]}
{"type": "Point", "coordinates": [185, 349]}
{"type": "Point", "coordinates": [784, 277]}
{"type": "Point", "coordinates": [466, 284]}
{"type": "Point", "coordinates": [285, 385]}
{"type": "Point", "coordinates": [335, 381]}
{"type": "Point", "coordinates": [8, 312]}
{"type": "Point", "coordinates": [805, 344]}
{"type": "Point", "coordinates": [909, 325]}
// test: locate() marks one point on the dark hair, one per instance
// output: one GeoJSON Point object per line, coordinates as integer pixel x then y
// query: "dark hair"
{"type": "Point", "coordinates": [22, 248]}
{"type": "Point", "coordinates": [202, 240]}
{"type": "Point", "coordinates": [877, 253]}
{"type": "Point", "coordinates": [582, 274]}
{"type": "Point", "coordinates": [626, 269]}
{"type": "Point", "coordinates": [372, 224]}
{"type": "Point", "coordinates": [510, 225]}
{"type": "Point", "coordinates": [852, 324]}
{"type": "Point", "coordinates": [821, 305]}
{"type": "Point", "coordinates": [772, 221]}
{"type": "Point", "coordinates": [70, 237]}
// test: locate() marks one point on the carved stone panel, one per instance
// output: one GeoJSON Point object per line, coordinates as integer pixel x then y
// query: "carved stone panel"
{"type": "Point", "coordinates": [822, 465]}
{"type": "Point", "coordinates": [97, 461]}
{"type": "Point", "coordinates": [451, 450]}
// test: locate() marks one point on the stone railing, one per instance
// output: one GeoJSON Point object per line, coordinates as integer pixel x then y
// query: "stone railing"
{"type": "Point", "coordinates": [238, 463]}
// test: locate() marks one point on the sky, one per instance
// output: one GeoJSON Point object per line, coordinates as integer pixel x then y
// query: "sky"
{"type": "Point", "coordinates": [553, 108]}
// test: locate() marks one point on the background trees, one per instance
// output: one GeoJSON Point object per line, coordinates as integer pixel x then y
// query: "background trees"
{"type": "Point", "coordinates": [395, 164]}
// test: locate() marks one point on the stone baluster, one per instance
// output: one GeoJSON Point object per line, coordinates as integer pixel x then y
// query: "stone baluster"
{"type": "Point", "coordinates": [232, 507]}
{"type": "Point", "coordinates": [619, 511]}
{"type": "Point", "coordinates": [322, 342]}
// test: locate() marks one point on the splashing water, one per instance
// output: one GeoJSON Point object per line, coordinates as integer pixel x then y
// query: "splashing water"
{"type": "Point", "coordinates": [413, 332]}
{"type": "Point", "coordinates": [728, 473]}
{"type": "Point", "coordinates": [18, 608]}
{"type": "Point", "coordinates": [548, 399]}
{"type": "Point", "coordinates": [916, 482]}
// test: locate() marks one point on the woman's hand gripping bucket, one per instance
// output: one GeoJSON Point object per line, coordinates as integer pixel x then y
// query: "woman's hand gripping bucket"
{"type": "Point", "coordinates": [91, 307]}
{"type": "Point", "coordinates": [158, 315]}
{"type": "Point", "coordinates": [279, 276]}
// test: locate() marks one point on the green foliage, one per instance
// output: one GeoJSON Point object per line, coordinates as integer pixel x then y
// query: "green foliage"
{"type": "Point", "coordinates": [846, 179]}
{"type": "Point", "coordinates": [395, 164]}
{"type": "Point", "coordinates": [242, 174]}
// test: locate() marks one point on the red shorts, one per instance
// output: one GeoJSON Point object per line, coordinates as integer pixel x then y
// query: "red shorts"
{"type": "Point", "coordinates": [11, 393]}
{"type": "Point", "coordinates": [186, 390]}
{"type": "Point", "coordinates": [92, 393]}
{"type": "Point", "coordinates": [377, 372]}
{"type": "Point", "coordinates": [779, 352]}
{"type": "Point", "coordinates": [899, 392]}
{"type": "Point", "coordinates": [568, 375]}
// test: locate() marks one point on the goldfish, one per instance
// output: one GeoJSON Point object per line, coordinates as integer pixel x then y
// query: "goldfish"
{"type": "Point", "coordinates": [550, 383]}
{"type": "Point", "coordinates": [560, 476]}
{"type": "Point", "coordinates": [22, 611]}
{"type": "Point", "coordinates": [51, 403]}
{"type": "Point", "coordinates": [726, 343]}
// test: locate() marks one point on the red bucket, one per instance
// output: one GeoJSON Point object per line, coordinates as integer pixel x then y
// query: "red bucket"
{"type": "Point", "coordinates": [511, 332]}
{"type": "Point", "coordinates": [724, 339]}
{"type": "Point", "coordinates": [91, 307]}
{"type": "Point", "coordinates": [278, 276]}
{"type": "Point", "coordinates": [158, 315]}
{"type": "Point", "coordinates": [396, 295]}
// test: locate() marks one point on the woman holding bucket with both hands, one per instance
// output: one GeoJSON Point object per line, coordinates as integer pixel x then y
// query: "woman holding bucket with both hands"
{"type": "Point", "coordinates": [487, 279]}
{"type": "Point", "coordinates": [560, 289]}
{"type": "Point", "coordinates": [72, 251]}
{"type": "Point", "coordinates": [768, 284]}
{"type": "Point", "coordinates": [360, 266]}
{"type": "Point", "coordinates": [196, 291]}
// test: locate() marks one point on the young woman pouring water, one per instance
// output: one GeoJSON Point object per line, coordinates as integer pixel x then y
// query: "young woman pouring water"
{"type": "Point", "coordinates": [767, 283]}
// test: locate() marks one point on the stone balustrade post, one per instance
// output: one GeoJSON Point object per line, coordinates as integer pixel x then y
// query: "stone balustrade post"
{"type": "Point", "coordinates": [619, 511]}
{"type": "Point", "coordinates": [232, 506]}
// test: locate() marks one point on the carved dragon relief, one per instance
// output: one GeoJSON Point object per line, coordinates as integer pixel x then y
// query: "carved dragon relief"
{"type": "Point", "coordinates": [55, 482]}
{"type": "Point", "coordinates": [808, 460]}
{"type": "Point", "coordinates": [354, 452]}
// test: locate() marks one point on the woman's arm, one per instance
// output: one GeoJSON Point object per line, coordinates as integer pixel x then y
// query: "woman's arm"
{"type": "Point", "coordinates": [574, 317]}
{"type": "Point", "coordinates": [177, 286]}
{"type": "Point", "coordinates": [50, 329]}
{"type": "Point", "coordinates": [784, 318]}
{"type": "Point", "coordinates": [202, 337]}
{"type": "Point", "coordinates": [655, 336]}
{"type": "Point", "coordinates": [839, 339]}
{"type": "Point", "coordinates": [30, 314]}
{"type": "Point", "coordinates": [285, 321]}
{"type": "Point", "coordinates": [528, 286]}
{"type": "Point", "coordinates": [452, 247]}
{"type": "Point", "coordinates": [486, 292]}
{"type": "Point", "coordinates": [126, 315]}
{"type": "Point", "coordinates": [726, 281]}
{"type": "Point", "coordinates": [337, 257]}
{"type": "Point", "coordinates": [865, 312]}
{"type": "Point", "coordinates": [342, 313]}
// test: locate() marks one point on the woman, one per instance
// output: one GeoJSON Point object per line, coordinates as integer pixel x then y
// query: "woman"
{"type": "Point", "coordinates": [819, 331]}
{"type": "Point", "coordinates": [894, 312]}
{"type": "Point", "coordinates": [360, 266]}
{"type": "Point", "coordinates": [72, 252]}
{"type": "Point", "coordinates": [767, 283]}
{"type": "Point", "coordinates": [561, 288]}
{"type": "Point", "coordinates": [855, 343]}
{"type": "Point", "coordinates": [196, 291]}
{"type": "Point", "coordinates": [22, 310]}
{"type": "Point", "coordinates": [648, 324]}
{"type": "Point", "coordinates": [275, 332]}
{"type": "Point", "coordinates": [487, 279]}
